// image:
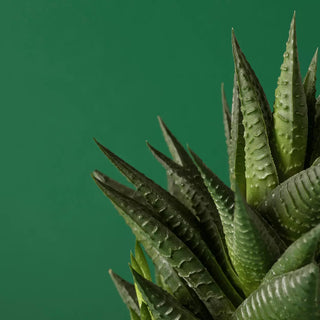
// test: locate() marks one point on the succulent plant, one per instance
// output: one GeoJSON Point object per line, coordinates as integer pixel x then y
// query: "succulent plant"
{"type": "Point", "coordinates": [244, 252]}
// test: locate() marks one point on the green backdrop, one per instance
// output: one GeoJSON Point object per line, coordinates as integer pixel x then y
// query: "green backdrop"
{"type": "Point", "coordinates": [73, 70]}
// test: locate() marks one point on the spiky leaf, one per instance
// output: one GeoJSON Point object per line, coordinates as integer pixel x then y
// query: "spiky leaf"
{"type": "Point", "coordinates": [290, 112]}
{"type": "Point", "coordinates": [203, 206]}
{"type": "Point", "coordinates": [181, 157]}
{"type": "Point", "coordinates": [162, 305]}
{"type": "Point", "coordinates": [126, 291]}
{"type": "Point", "coordinates": [261, 173]}
{"type": "Point", "coordinates": [292, 296]}
{"type": "Point", "coordinates": [172, 216]}
{"type": "Point", "coordinates": [180, 257]}
{"type": "Point", "coordinates": [237, 155]}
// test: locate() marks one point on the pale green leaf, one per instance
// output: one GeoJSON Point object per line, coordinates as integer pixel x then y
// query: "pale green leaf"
{"type": "Point", "coordinates": [261, 174]}
{"type": "Point", "coordinates": [253, 250]}
{"type": "Point", "coordinates": [135, 266]}
{"type": "Point", "coordinates": [290, 112]}
{"type": "Point", "coordinates": [237, 166]}
{"type": "Point", "coordinates": [142, 261]}
{"type": "Point", "coordinates": [144, 312]}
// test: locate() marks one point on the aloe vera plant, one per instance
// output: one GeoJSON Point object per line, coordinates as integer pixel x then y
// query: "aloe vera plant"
{"type": "Point", "coordinates": [248, 251]}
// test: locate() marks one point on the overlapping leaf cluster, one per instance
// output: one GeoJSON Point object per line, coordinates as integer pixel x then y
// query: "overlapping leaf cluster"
{"type": "Point", "coordinates": [248, 251]}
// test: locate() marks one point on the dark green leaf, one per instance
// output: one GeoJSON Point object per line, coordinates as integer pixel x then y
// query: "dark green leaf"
{"type": "Point", "coordinates": [162, 305]}
{"type": "Point", "coordinates": [181, 157]}
{"type": "Point", "coordinates": [173, 215]}
{"type": "Point", "coordinates": [179, 154]}
{"type": "Point", "coordinates": [200, 200]}
{"type": "Point", "coordinates": [180, 257]}
{"type": "Point", "coordinates": [170, 213]}
{"type": "Point", "coordinates": [126, 291]}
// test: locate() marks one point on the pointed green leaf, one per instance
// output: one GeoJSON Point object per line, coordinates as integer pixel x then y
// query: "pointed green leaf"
{"type": "Point", "coordinates": [126, 291]}
{"type": "Point", "coordinates": [261, 173]}
{"type": "Point", "coordinates": [142, 261]}
{"type": "Point", "coordinates": [253, 249]}
{"type": "Point", "coordinates": [224, 200]}
{"type": "Point", "coordinates": [144, 311]}
{"type": "Point", "coordinates": [162, 305]}
{"type": "Point", "coordinates": [226, 118]}
{"type": "Point", "coordinates": [176, 285]}
{"type": "Point", "coordinates": [222, 195]}
{"type": "Point", "coordinates": [290, 112]}
{"type": "Point", "coordinates": [292, 296]}
{"type": "Point", "coordinates": [171, 214]}
{"type": "Point", "coordinates": [133, 315]}
{"type": "Point", "coordinates": [237, 157]}
{"type": "Point", "coordinates": [242, 65]}
{"type": "Point", "coordinates": [154, 195]}
{"type": "Point", "coordinates": [118, 186]}
{"type": "Point", "coordinates": [147, 228]}
{"type": "Point", "coordinates": [293, 207]}
{"type": "Point", "coordinates": [179, 154]}
{"type": "Point", "coordinates": [309, 84]}
{"type": "Point", "coordinates": [181, 157]}
{"type": "Point", "coordinates": [300, 253]}
{"type": "Point", "coordinates": [200, 200]}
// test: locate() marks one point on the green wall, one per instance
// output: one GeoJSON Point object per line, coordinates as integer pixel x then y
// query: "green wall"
{"type": "Point", "coordinates": [73, 70]}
